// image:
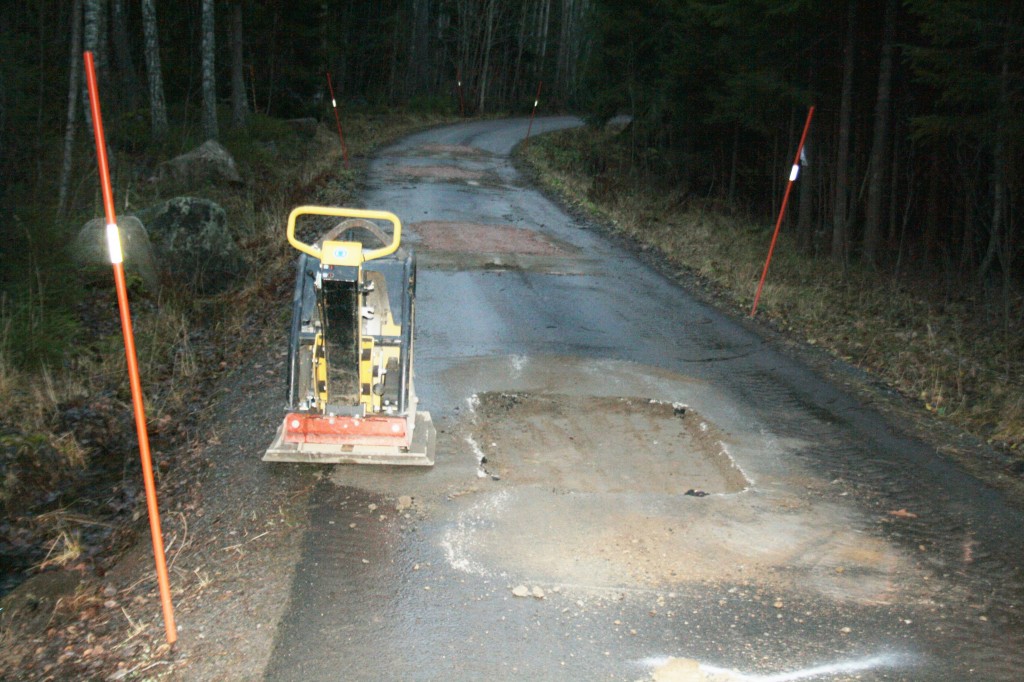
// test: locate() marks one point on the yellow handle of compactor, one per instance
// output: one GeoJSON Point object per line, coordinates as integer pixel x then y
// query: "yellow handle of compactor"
{"type": "Point", "coordinates": [396, 235]}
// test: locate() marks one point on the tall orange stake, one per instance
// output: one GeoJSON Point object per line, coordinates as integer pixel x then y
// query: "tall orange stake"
{"type": "Point", "coordinates": [334, 105]}
{"type": "Point", "coordinates": [536, 101]}
{"type": "Point", "coordinates": [793, 173]}
{"type": "Point", "coordinates": [458, 84]}
{"type": "Point", "coordinates": [116, 258]}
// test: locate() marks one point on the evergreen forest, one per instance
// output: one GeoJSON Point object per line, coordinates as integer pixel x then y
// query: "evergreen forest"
{"type": "Point", "coordinates": [913, 166]}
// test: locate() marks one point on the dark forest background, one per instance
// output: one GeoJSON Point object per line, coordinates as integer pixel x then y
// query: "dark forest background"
{"type": "Point", "coordinates": [914, 159]}
{"type": "Point", "coordinates": [913, 166]}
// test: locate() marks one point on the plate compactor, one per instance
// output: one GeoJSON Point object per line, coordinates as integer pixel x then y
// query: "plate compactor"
{"type": "Point", "coordinates": [350, 387]}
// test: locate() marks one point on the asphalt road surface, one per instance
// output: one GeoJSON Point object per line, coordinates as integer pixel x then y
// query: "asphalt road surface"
{"type": "Point", "coordinates": [629, 485]}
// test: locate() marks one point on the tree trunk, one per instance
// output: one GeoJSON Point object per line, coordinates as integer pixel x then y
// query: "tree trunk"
{"type": "Point", "coordinates": [489, 36]}
{"type": "Point", "coordinates": [544, 20]}
{"type": "Point", "coordinates": [520, 44]}
{"type": "Point", "coordinates": [733, 164]}
{"type": "Point", "coordinates": [841, 201]}
{"type": "Point", "coordinates": [127, 78]}
{"type": "Point", "coordinates": [570, 48]}
{"type": "Point", "coordinates": [805, 214]}
{"type": "Point", "coordinates": [102, 45]}
{"type": "Point", "coordinates": [90, 43]}
{"type": "Point", "coordinates": [391, 79]}
{"type": "Point", "coordinates": [154, 75]}
{"type": "Point", "coordinates": [996, 248]}
{"type": "Point", "coordinates": [564, 49]}
{"type": "Point", "coordinates": [74, 70]}
{"type": "Point", "coordinates": [210, 130]}
{"type": "Point", "coordinates": [326, 33]}
{"type": "Point", "coordinates": [419, 50]}
{"type": "Point", "coordinates": [239, 102]}
{"type": "Point", "coordinates": [880, 142]}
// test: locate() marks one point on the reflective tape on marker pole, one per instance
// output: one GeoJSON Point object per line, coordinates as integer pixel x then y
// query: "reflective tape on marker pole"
{"type": "Point", "coordinates": [114, 244]}
{"type": "Point", "coordinates": [334, 103]}
{"type": "Point", "coordinates": [535, 103]}
{"type": "Point", "coordinates": [794, 172]}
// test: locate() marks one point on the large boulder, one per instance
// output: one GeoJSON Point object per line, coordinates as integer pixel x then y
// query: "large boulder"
{"type": "Point", "coordinates": [192, 244]}
{"type": "Point", "coordinates": [210, 162]}
{"type": "Point", "coordinates": [89, 250]}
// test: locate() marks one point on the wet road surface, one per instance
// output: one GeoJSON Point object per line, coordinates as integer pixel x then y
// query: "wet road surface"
{"type": "Point", "coordinates": [629, 484]}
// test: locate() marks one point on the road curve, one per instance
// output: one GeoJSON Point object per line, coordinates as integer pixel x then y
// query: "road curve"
{"type": "Point", "coordinates": [629, 482]}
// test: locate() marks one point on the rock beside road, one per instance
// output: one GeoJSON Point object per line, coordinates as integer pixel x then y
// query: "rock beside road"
{"type": "Point", "coordinates": [210, 162]}
{"type": "Point", "coordinates": [194, 247]}
{"type": "Point", "coordinates": [89, 249]}
{"type": "Point", "coordinates": [183, 242]}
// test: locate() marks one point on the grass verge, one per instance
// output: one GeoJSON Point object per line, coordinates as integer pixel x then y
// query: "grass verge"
{"type": "Point", "coordinates": [953, 355]}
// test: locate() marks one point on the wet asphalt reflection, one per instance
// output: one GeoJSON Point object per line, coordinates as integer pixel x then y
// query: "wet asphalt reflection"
{"type": "Point", "coordinates": [556, 538]}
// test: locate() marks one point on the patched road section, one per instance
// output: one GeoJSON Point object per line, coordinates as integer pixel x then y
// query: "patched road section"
{"type": "Point", "coordinates": [592, 444]}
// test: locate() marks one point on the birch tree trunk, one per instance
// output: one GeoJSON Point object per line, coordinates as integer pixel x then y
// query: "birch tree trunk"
{"type": "Point", "coordinates": [210, 130]}
{"type": "Point", "coordinates": [154, 75]}
{"type": "Point", "coordinates": [74, 70]}
{"type": "Point", "coordinates": [841, 201]}
{"type": "Point", "coordinates": [239, 101]}
{"type": "Point", "coordinates": [90, 43]}
{"type": "Point", "coordinates": [880, 142]}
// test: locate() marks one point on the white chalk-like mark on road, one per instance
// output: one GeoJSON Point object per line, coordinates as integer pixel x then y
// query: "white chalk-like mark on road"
{"type": "Point", "coordinates": [821, 671]}
{"type": "Point", "coordinates": [518, 363]}
{"type": "Point", "coordinates": [457, 540]}
{"type": "Point", "coordinates": [481, 472]}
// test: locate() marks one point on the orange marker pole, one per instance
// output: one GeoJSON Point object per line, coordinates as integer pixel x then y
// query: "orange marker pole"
{"type": "Point", "coordinates": [458, 85]}
{"type": "Point", "coordinates": [334, 105]}
{"type": "Point", "coordinates": [536, 101]}
{"type": "Point", "coordinates": [793, 173]}
{"type": "Point", "coordinates": [116, 258]}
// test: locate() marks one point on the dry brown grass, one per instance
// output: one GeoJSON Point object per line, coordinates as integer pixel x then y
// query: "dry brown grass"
{"type": "Point", "coordinates": [954, 357]}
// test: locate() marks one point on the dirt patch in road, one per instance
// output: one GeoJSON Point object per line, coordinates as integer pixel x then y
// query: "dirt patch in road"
{"type": "Point", "coordinates": [604, 444]}
{"type": "Point", "coordinates": [643, 541]}
{"type": "Point", "coordinates": [606, 493]}
{"type": "Point", "coordinates": [452, 150]}
{"type": "Point", "coordinates": [467, 237]}
{"type": "Point", "coordinates": [441, 173]}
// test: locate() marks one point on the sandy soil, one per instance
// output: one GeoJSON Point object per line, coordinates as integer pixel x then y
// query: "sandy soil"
{"type": "Point", "coordinates": [467, 237]}
{"type": "Point", "coordinates": [454, 150]}
{"type": "Point", "coordinates": [440, 173]}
